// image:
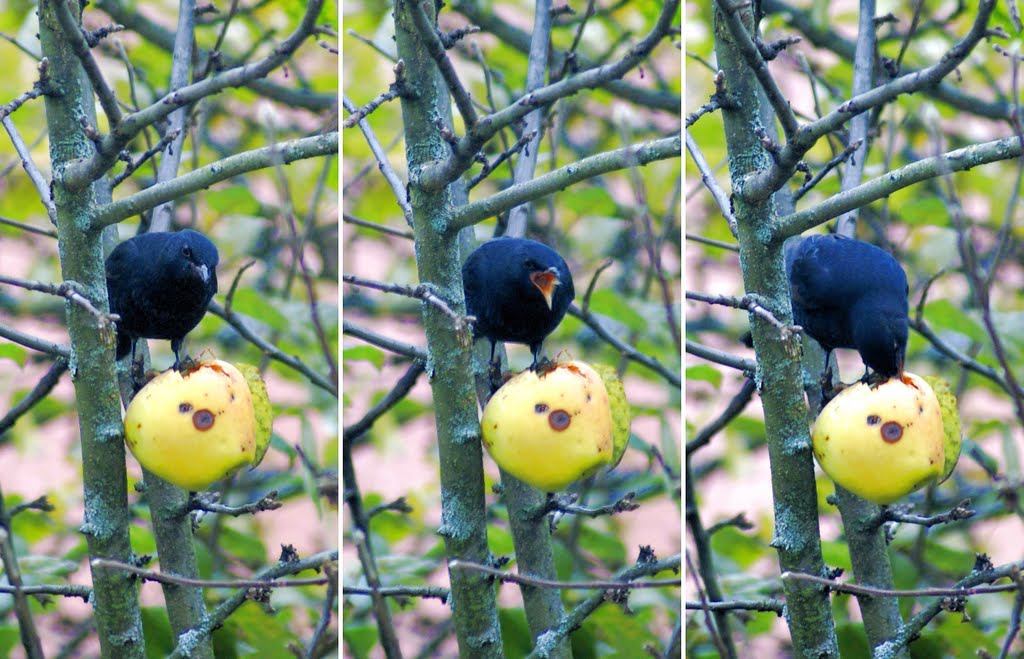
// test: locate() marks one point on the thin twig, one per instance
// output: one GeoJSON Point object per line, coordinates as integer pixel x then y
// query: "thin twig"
{"type": "Point", "coordinates": [508, 577]}
{"type": "Point", "coordinates": [152, 575]}
{"type": "Point", "coordinates": [856, 589]}
{"type": "Point", "coordinates": [426, 592]}
{"type": "Point", "coordinates": [960, 512]}
{"type": "Point", "coordinates": [624, 504]}
{"type": "Point", "coordinates": [393, 397]}
{"type": "Point", "coordinates": [748, 303]}
{"type": "Point", "coordinates": [420, 292]}
{"type": "Point", "coordinates": [708, 178]}
{"type": "Point", "coordinates": [747, 366]}
{"type": "Point", "coordinates": [270, 350]}
{"type": "Point", "coordinates": [394, 91]}
{"type": "Point", "coordinates": [38, 393]}
{"type": "Point", "coordinates": [352, 219]}
{"type": "Point", "coordinates": [205, 503]}
{"type": "Point", "coordinates": [738, 403]}
{"type": "Point", "coordinates": [38, 180]}
{"type": "Point", "coordinates": [627, 351]}
{"type": "Point", "coordinates": [31, 228]}
{"type": "Point", "coordinates": [778, 607]}
{"type": "Point", "coordinates": [396, 183]}
{"type": "Point", "coordinates": [68, 291]}
{"type": "Point", "coordinates": [381, 341]}
{"type": "Point", "coordinates": [34, 342]}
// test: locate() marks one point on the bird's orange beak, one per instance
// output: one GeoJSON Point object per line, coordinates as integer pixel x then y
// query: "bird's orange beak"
{"type": "Point", "coordinates": [546, 281]}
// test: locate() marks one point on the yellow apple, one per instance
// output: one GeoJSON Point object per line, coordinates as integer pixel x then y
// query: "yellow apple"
{"type": "Point", "coordinates": [193, 427]}
{"type": "Point", "coordinates": [882, 442]}
{"type": "Point", "coordinates": [550, 427]}
{"type": "Point", "coordinates": [620, 411]}
{"type": "Point", "coordinates": [261, 405]}
{"type": "Point", "coordinates": [950, 423]}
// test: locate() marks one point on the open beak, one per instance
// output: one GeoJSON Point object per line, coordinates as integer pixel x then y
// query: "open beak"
{"type": "Point", "coordinates": [546, 281]}
{"type": "Point", "coordinates": [202, 270]}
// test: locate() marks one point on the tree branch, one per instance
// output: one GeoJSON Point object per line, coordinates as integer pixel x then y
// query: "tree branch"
{"type": "Point", "coordinates": [80, 173]}
{"type": "Point", "coordinates": [562, 178]}
{"type": "Point", "coordinates": [204, 177]}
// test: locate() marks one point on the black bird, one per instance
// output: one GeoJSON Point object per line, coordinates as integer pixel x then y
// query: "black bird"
{"type": "Point", "coordinates": [847, 293]}
{"type": "Point", "coordinates": [160, 285]}
{"type": "Point", "coordinates": [519, 291]}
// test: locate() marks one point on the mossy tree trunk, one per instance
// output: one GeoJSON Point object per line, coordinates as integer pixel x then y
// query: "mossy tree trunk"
{"type": "Point", "coordinates": [69, 103]}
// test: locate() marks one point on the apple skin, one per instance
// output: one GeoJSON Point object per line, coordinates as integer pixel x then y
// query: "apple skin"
{"type": "Point", "coordinates": [193, 427]}
{"type": "Point", "coordinates": [621, 414]}
{"type": "Point", "coordinates": [882, 442]}
{"type": "Point", "coordinates": [550, 427]}
{"type": "Point", "coordinates": [954, 438]}
{"type": "Point", "coordinates": [262, 407]}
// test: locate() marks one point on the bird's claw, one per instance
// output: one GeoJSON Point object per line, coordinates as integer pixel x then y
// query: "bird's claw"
{"type": "Point", "coordinates": [140, 376]}
{"type": "Point", "coordinates": [543, 367]}
{"type": "Point", "coordinates": [874, 379]}
{"type": "Point", "coordinates": [829, 388]}
{"type": "Point", "coordinates": [495, 378]}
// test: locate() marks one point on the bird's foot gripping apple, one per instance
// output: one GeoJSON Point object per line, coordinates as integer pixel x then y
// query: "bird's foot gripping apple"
{"type": "Point", "coordinates": [194, 427]}
{"type": "Point", "coordinates": [882, 442]}
{"type": "Point", "coordinates": [553, 427]}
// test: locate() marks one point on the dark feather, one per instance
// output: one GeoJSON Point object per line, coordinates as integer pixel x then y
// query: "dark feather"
{"type": "Point", "coordinates": [160, 284]}
{"type": "Point", "coordinates": [847, 293]}
{"type": "Point", "coordinates": [508, 306]}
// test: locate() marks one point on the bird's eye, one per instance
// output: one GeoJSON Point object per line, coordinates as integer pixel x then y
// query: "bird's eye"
{"type": "Point", "coordinates": [531, 264]}
{"type": "Point", "coordinates": [186, 251]}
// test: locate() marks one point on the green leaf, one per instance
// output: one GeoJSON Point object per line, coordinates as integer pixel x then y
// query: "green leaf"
{"type": "Point", "coordinates": [142, 539]}
{"type": "Point", "coordinates": [156, 629]}
{"type": "Point", "coordinates": [853, 642]}
{"type": "Point", "coordinates": [943, 314]}
{"type": "Point", "coordinates": [10, 638]}
{"type": "Point", "coordinates": [232, 200]}
{"type": "Point", "coordinates": [609, 303]}
{"type": "Point", "coordinates": [364, 354]}
{"type": "Point", "coordinates": [836, 554]}
{"type": "Point", "coordinates": [359, 640]}
{"type": "Point", "coordinates": [622, 632]}
{"type": "Point", "coordinates": [499, 541]}
{"type": "Point", "coordinates": [607, 548]}
{"type": "Point", "coordinates": [741, 548]}
{"type": "Point", "coordinates": [307, 439]}
{"type": "Point", "coordinates": [260, 634]}
{"type": "Point", "coordinates": [38, 569]}
{"type": "Point", "coordinates": [592, 200]}
{"type": "Point", "coordinates": [921, 209]}
{"type": "Point", "coordinates": [704, 373]}
{"type": "Point", "coordinates": [960, 639]}
{"type": "Point", "coordinates": [243, 546]}
{"type": "Point", "coordinates": [248, 302]}
{"type": "Point", "coordinates": [515, 633]}
{"type": "Point", "coordinates": [14, 352]}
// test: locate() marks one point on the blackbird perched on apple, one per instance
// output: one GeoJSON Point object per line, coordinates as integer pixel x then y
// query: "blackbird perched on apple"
{"type": "Point", "coordinates": [847, 293]}
{"type": "Point", "coordinates": [518, 290]}
{"type": "Point", "coordinates": [160, 284]}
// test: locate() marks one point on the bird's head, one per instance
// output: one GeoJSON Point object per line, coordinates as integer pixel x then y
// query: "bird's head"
{"type": "Point", "coordinates": [546, 280]}
{"type": "Point", "coordinates": [194, 256]}
{"type": "Point", "coordinates": [882, 342]}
